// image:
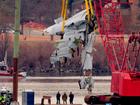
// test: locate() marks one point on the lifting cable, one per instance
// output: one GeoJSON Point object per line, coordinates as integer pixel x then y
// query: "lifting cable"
{"type": "Point", "coordinates": [64, 12]}
{"type": "Point", "coordinates": [87, 10]}
{"type": "Point", "coordinates": [62, 9]}
{"type": "Point", "coordinates": [91, 7]}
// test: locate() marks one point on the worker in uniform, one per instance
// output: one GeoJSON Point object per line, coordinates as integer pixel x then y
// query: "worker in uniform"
{"type": "Point", "coordinates": [71, 97]}
{"type": "Point", "coordinates": [64, 98]}
{"type": "Point", "coordinates": [58, 95]}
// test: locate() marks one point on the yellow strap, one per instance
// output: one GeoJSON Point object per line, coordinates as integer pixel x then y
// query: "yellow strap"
{"type": "Point", "coordinates": [64, 13]}
{"type": "Point", "coordinates": [63, 7]}
{"type": "Point", "coordinates": [66, 6]}
{"type": "Point", "coordinates": [91, 7]}
{"type": "Point", "coordinates": [87, 9]}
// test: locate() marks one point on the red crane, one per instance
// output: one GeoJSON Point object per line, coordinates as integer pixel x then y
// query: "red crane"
{"type": "Point", "coordinates": [122, 58]}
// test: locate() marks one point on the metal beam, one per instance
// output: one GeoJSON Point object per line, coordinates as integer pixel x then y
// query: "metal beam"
{"type": "Point", "coordinates": [16, 49]}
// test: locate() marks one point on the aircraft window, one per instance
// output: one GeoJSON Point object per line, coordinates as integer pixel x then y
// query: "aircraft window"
{"type": "Point", "coordinates": [80, 23]}
{"type": "Point", "coordinates": [77, 25]}
{"type": "Point", "coordinates": [72, 26]}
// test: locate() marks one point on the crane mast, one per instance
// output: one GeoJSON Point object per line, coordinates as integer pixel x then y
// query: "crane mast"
{"type": "Point", "coordinates": [111, 31]}
{"type": "Point", "coordinates": [110, 25]}
{"type": "Point", "coordinates": [122, 57]}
